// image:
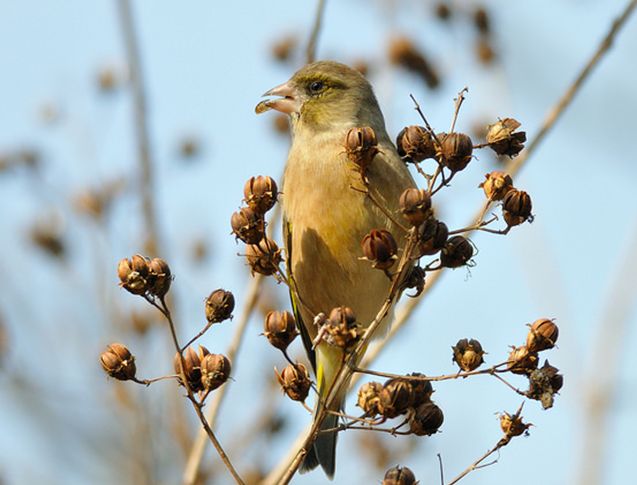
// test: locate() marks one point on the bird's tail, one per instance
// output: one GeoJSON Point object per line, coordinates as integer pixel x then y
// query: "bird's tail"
{"type": "Point", "coordinates": [323, 451]}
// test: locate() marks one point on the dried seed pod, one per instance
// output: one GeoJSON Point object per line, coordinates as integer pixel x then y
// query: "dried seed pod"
{"type": "Point", "coordinates": [399, 476]}
{"type": "Point", "coordinates": [457, 252]}
{"type": "Point", "coordinates": [484, 50]}
{"type": "Point", "coordinates": [455, 151]}
{"type": "Point", "coordinates": [516, 207]}
{"type": "Point", "coordinates": [369, 398]}
{"type": "Point", "coordinates": [361, 146]}
{"type": "Point", "coordinates": [503, 139]}
{"type": "Point", "coordinates": [415, 144]}
{"type": "Point", "coordinates": [280, 329]}
{"type": "Point", "coordinates": [295, 381]}
{"type": "Point", "coordinates": [341, 328]}
{"type": "Point", "coordinates": [248, 225]}
{"type": "Point", "coordinates": [432, 237]}
{"type": "Point", "coordinates": [522, 360]}
{"type": "Point", "coordinates": [468, 354]}
{"type": "Point", "coordinates": [415, 279]}
{"type": "Point", "coordinates": [118, 362]}
{"type": "Point", "coordinates": [415, 205]}
{"type": "Point", "coordinates": [496, 185]}
{"type": "Point", "coordinates": [133, 274]}
{"type": "Point", "coordinates": [443, 11]}
{"type": "Point", "coordinates": [402, 52]}
{"type": "Point", "coordinates": [380, 247]}
{"type": "Point", "coordinates": [481, 21]}
{"type": "Point", "coordinates": [159, 277]}
{"type": "Point", "coordinates": [395, 398]}
{"type": "Point", "coordinates": [283, 48]}
{"type": "Point", "coordinates": [219, 306]}
{"type": "Point", "coordinates": [512, 425]}
{"type": "Point", "coordinates": [426, 420]}
{"type": "Point", "coordinates": [192, 367]}
{"type": "Point", "coordinates": [421, 389]}
{"type": "Point", "coordinates": [544, 383]}
{"type": "Point", "coordinates": [264, 257]}
{"type": "Point", "coordinates": [260, 193]}
{"type": "Point", "coordinates": [542, 335]}
{"type": "Point", "coordinates": [215, 370]}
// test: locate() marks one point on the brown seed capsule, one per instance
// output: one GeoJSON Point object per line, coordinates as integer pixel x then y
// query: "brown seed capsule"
{"type": "Point", "coordinates": [215, 370]}
{"type": "Point", "coordinates": [484, 50]}
{"type": "Point", "coordinates": [542, 335]}
{"type": "Point", "coordinates": [516, 207]}
{"type": "Point", "coordinates": [264, 257]}
{"type": "Point", "coordinates": [432, 237]}
{"type": "Point", "coordinates": [133, 274]}
{"type": "Point", "coordinates": [295, 381]}
{"type": "Point", "coordinates": [402, 52]}
{"type": "Point", "coordinates": [503, 139]}
{"type": "Point", "coordinates": [380, 248]}
{"type": "Point", "coordinates": [415, 279]}
{"type": "Point", "coordinates": [457, 252]}
{"type": "Point", "coordinates": [512, 425]}
{"type": "Point", "coordinates": [341, 328]}
{"type": "Point", "coordinates": [415, 144]}
{"type": "Point", "coordinates": [283, 48]}
{"type": "Point", "coordinates": [468, 354]}
{"type": "Point", "coordinates": [421, 389]}
{"type": "Point", "coordinates": [481, 21]}
{"type": "Point", "coordinates": [544, 383]}
{"type": "Point", "coordinates": [415, 205]}
{"type": "Point", "coordinates": [192, 367]}
{"type": "Point", "coordinates": [426, 420]}
{"type": "Point", "coordinates": [248, 225]}
{"type": "Point", "coordinates": [118, 362]}
{"type": "Point", "coordinates": [454, 151]}
{"type": "Point", "coordinates": [159, 277]}
{"type": "Point", "coordinates": [280, 329]}
{"type": "Point", "coordinates": [522, 360]}
{"type": "Point", "coordinates": [219, 306]}
{"type": "Point", "coordinates": [443, 11]}
{"type": "Point", "coordinates": [399, 476]}
{"type": "Point", "coordinates": [395, 398]}
{"type": "Point", "coordinates": [361, 146]}
{"type": "Point", "coordinates": [496, 185]}
{"type": "Point", "coordinates": [260, 193]}
{"type": "Point", "coordinates": [369, 398]}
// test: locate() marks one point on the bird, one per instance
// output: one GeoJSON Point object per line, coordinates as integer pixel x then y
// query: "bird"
{"type": "Point", "coordinates": [327, 212]}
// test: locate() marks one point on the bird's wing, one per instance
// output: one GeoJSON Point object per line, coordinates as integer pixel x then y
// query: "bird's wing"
{"type": "Point", "coordinates": [294, 297]}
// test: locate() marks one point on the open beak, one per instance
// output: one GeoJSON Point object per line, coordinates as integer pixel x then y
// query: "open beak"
{"type": "Point", "coordinates": [288, 102]}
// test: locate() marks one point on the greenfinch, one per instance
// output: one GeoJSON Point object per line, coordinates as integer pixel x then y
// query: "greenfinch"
{"type": "Point", "coordinates": [327, 212]}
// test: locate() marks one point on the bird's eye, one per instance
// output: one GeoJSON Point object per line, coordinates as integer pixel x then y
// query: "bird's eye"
{"type": "Point", "coordinates": [316, 87]}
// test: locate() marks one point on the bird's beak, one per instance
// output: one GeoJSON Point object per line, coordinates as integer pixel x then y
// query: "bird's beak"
{"type": "Point", "coordinates": [288, 103]}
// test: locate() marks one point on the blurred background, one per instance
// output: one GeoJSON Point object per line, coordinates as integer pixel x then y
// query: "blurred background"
{"type": "Point", "coordinates": [72, 204]}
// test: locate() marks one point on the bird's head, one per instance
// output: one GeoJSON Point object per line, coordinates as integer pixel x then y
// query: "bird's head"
{"type": "Point", "coordinates": [324, 95]}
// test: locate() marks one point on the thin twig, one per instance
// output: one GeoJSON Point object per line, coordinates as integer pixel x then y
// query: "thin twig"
{"type": "Point", "coordinates": [144, 157]}
{"type": "Point", "coordinates": [195, 456]}
{"type": "Point", "coordinates": [476, 464]}
{"type": "Point", "coordinates": [566, 99]}
{"type": "Point", "coordinates": [163, 308]}
{"type": "Point", "coordinates": [458, 103]}
{"type": "Point", "coordinates": [310, 53]}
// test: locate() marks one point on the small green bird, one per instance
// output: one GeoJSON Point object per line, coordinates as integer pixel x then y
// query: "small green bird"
{"type": "Point", "coordinates": [325, 218]}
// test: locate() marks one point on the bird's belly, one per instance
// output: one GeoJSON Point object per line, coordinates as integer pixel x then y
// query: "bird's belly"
{"type": "Point", "coordinates": [326, 257]}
